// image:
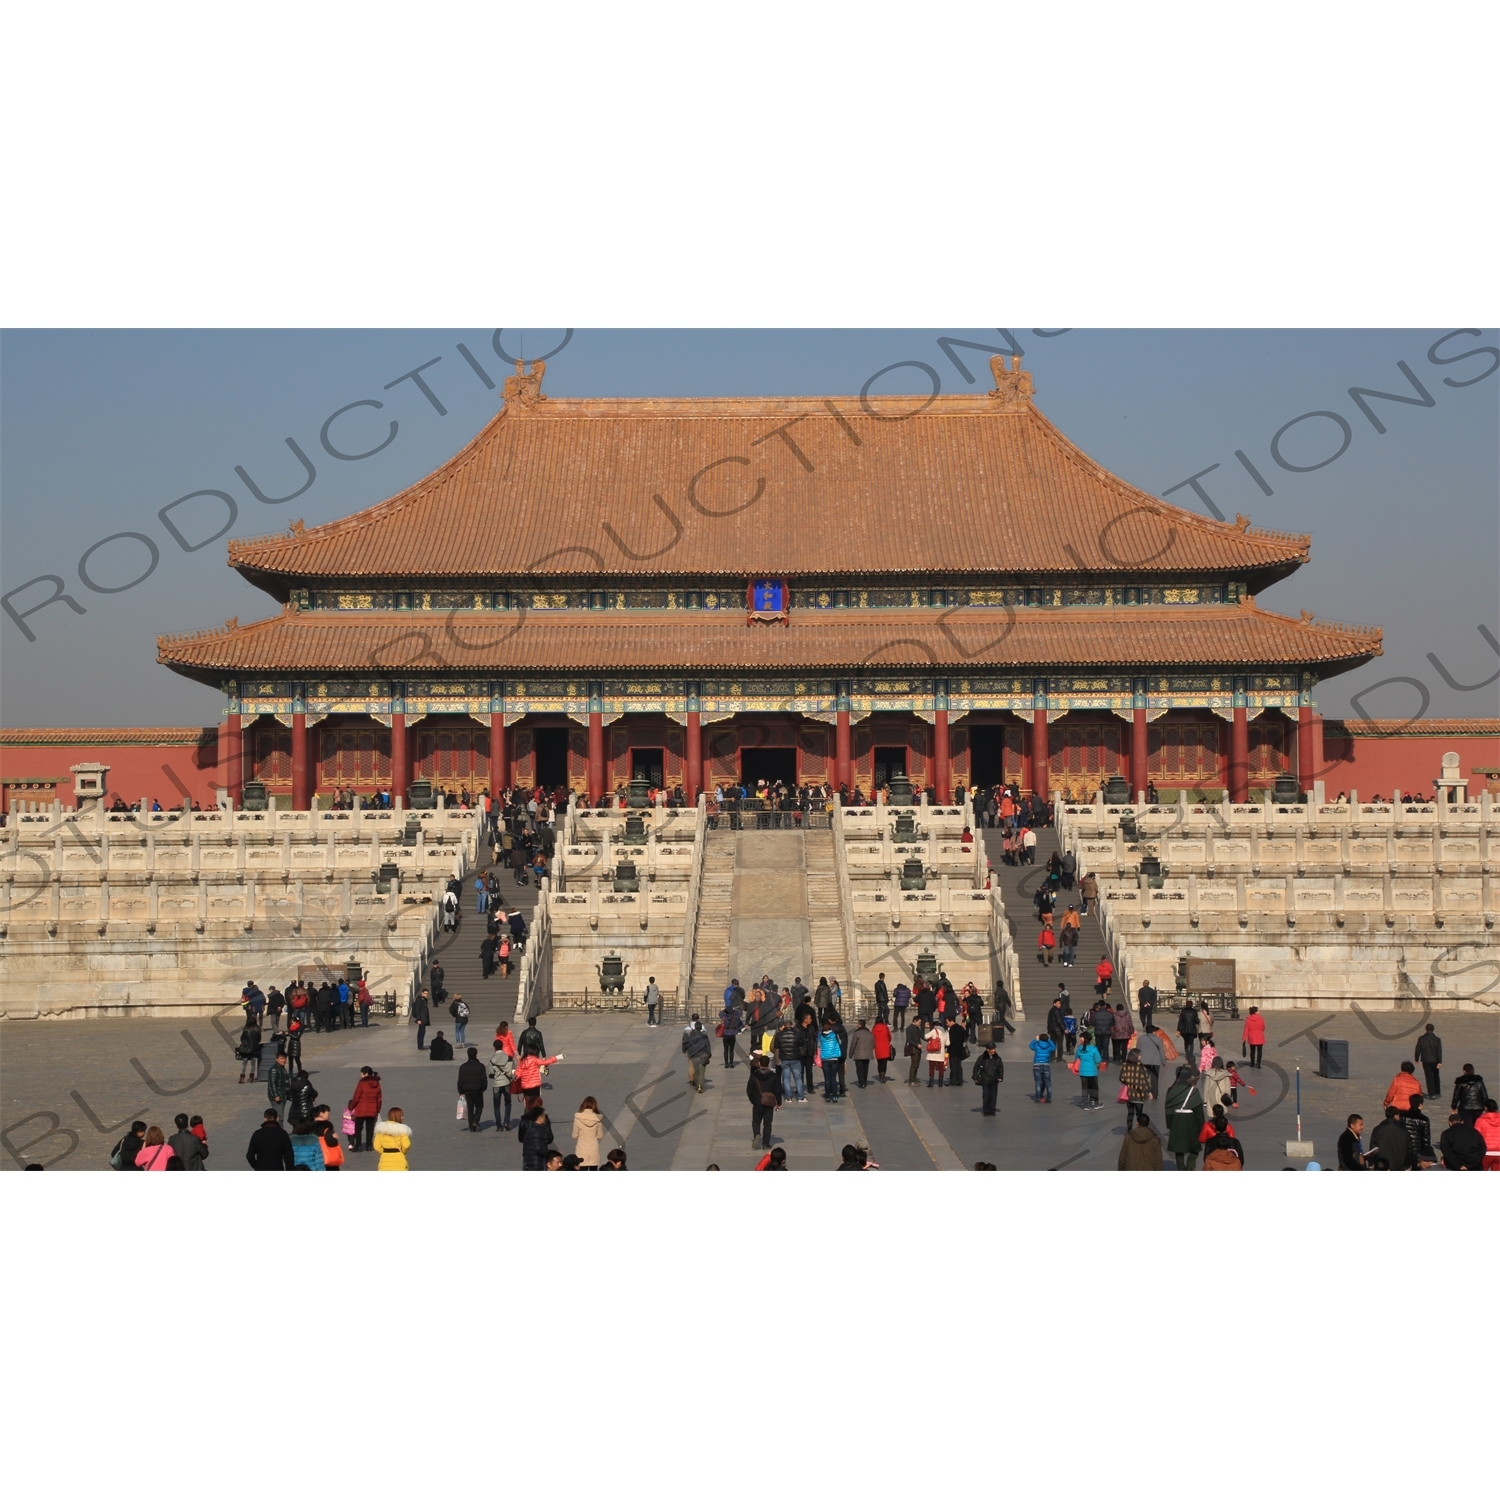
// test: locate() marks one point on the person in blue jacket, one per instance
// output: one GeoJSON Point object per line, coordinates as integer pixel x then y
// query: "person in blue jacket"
{"type": "Point", "coordinates": [1089, 1062]}
{"type": "Point", "coordinates": [1043, 1050]}
{"type": "Point", "coordinates": [829, 1055]}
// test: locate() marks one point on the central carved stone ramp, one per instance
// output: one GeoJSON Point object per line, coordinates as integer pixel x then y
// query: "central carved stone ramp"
{"type": "Point", "coordinates": [768, 904]}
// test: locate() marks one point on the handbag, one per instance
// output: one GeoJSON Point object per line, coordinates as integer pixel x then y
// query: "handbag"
{"type": "Point", "coordinates": [1073, 1066]}
{"type": "Point", "coordinates": [934, 1044]}
{"type": "Point", "coordinates": [1123, 1097]}
{"type": "Point", "coordinates": [719, 1029]}
{"type": "Point", "coordinates": [463, 1109]}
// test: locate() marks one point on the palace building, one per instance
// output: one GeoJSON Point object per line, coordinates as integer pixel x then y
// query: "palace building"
{"type": "Point", "coordinates": [712, 590]}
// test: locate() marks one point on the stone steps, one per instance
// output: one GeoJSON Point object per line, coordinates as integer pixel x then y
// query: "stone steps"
{"type": "Point", "coordinates": [715, 912]}
{"type": "Point", "coordinates": [1017, 886]}
{"type": "Point", "coordinates": [825, 917]}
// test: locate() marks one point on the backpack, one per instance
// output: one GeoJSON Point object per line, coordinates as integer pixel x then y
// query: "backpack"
{"type": "Point", "coordinates": [117, 1156]}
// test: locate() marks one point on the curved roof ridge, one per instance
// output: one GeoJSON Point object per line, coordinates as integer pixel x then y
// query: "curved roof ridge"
{"type": "Point", "coordinates": [392, 505]}
{"type": "Point", "coordinates": [1070, 450]}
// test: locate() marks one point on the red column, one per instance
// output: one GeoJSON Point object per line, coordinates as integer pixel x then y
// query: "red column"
{"type": "Point", "coordinates": [301, 769]}
{"type": "Point", "coordinates": [231, 746]}
{"type": "Point", "coordinates": [499, 756]}
{"type": "Point", "coordinates": [1039, 755]}
{"type": "Point", "coordinates": [400, 760]}
{"type": "Point", "coordinates": [1140, 753]}
{"type": "Point", "coordinates": [842, 774]}
{"type": "Point", "coordinates": [694, 757]}
{"type": "Point", "coordinates": [943, 774]}
{"type": "Point", "coordinates": [596, 757]}
{"type": "Point", "coordinates": [1239, 757]}
{"type": "Point", "coordinates": [1305, 762]}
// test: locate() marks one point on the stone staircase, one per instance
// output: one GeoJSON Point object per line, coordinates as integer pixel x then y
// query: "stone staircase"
{"type": "Point", "coordinates": [490, 1000]}
{"type": "Point", "coordinates": [715, 912]}
{"type": "Point", "coordinates": [1039, 982]}
{"type": "Point", "coordinates": [825, 916]}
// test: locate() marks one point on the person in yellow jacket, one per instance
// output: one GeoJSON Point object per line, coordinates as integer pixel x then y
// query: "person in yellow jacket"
{"type": "Point", "coordinates": [392, 1141]}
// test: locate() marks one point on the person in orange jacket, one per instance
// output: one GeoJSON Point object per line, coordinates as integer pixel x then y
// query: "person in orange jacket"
{"type": "Point", "coordinates": [1404, 1087]}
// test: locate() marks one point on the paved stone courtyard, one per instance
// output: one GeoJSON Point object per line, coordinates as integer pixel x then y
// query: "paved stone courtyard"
{"type": "Point", "coordinates": [71, 1088]}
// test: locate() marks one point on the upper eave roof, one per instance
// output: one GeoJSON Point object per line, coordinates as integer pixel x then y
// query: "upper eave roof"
{"type": "Point", "coordinates": [666, 640]}
{"type": "Point", "coordinates": [789, 486]}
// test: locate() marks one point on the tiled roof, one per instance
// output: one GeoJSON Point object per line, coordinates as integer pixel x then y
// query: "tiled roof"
{"type": "Point", "coordinates": [802, 487]}
{"type": "Point", "coordinates": [664, 640]}
{"type": "Point", "coordinates": [190, 734]}
{"type": "Point", "coordinates": [1405, 728]}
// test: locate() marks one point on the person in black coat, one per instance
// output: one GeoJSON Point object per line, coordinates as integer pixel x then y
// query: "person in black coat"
{"type": "Point", "coordinates": [1351, 1152]}
{"type": "Point", "coordinates": [763, 1084]}
{"type": "Point", "coordinates": [301, 1096]}
{"type": "Point", "coordinates": [441, 1049]}
{"type": "Point", "coordinates": [536, 1140]}
{"type": "Point", "coordinates": [487, 951]}
{"type": "Point", "coordinates": [1469, 1094]}
{"type": "Point", "coordinates": [473, 1080]}
{"type": "Point", "coordinates": [1462, 1146]}
{"type": "Point", "coordinates": [989, 1073]}
{"type": "Point", "coordinates": [1389, 1140]}
{"type": "Point", "coordinates": [1146, 1004]}
{"type": "Point", "coordinates": [958, 1050]}
{"type": "Point", "coordinates": [1187, 1029]}
{"type": "Point", "coordinates": [1429, 1052]}
{"type": "Point", "coordinates": [248, 1052]}
{"type": "Point", "coordinates": [270, 1147]}
{"type": "Point", "coordinates": [1418, 1129]}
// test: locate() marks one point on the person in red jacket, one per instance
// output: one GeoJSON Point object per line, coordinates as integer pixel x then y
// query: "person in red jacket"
{"type": "Point", "coordinates": [1253, 1034]}
{"type": "Point", "coordinates": [1104, 976]}
{"type": "Point", "coordinates": [529, 1076]}
{"type": "Point", "coordinates": [1488, 1125]}
{"type": "Point", "coordinates": [1404, 1087]}
{"type": "Point", "coordinates": [365, 1107]}
{"type": "Point", "coordinates": [884, 1047]}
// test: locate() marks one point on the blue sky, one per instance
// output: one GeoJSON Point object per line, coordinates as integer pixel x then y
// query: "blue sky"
{"type": "Point", "coordinates": [100, 430]}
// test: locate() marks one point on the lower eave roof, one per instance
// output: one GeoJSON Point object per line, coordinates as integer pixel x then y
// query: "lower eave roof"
{"type": "Point", "coordinates": [665, 640]}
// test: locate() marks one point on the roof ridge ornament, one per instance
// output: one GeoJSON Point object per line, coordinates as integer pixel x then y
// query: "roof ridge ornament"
{"type": "Point", "coordinates": [524, 389]}
{"type": "Point", "coordinates": [1013, 385]}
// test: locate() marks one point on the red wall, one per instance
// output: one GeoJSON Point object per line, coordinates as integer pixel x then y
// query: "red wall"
{"type": "Point", "coordinates": [155, 768]}
{"type": "Point", "coordinates": [1385, 756]}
